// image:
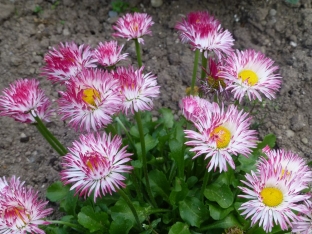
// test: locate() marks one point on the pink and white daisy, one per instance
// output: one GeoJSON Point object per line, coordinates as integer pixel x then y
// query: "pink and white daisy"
{"type": "Point", "coordinates": [23, 100]}
{"type": "Point", "coordinates": [133, 26]}
{"type": "Point", "coordinates": [108, 54]}
{"type": "Point", "coordinates": [205, 33]}
{"type": "Point", "coordinates": [304, 224]}
{"type": "Point", "coordinates": [251, 73]}
{"type": "Point", "coordinates": [290, 162]}
{"type": "Point", "coordinates": [220, 135]}
{"type": "Point", "coordinates": [137, 89]}
{"type": "Point", "coordinates": [21, 210]}
{"type": "Point", "coordinates": [90, 100]}
{"type": "Point", "coordinates": [194, 107]}
{"type": "Point", "coordinates": [273, 198]}
{"type": "Point", "coordinates": [95, 164]}
{"type": "Point", "coordinates": [67, 60]}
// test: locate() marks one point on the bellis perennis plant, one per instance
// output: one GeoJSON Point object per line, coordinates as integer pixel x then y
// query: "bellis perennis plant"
{"type": "Point", "coordinates": [131, 172]}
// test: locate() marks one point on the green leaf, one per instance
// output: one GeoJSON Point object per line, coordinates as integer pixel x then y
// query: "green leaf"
{"type": "Point", "coordinates": [69, 203]}
{"type": "Point", "coordinates": [120, 225]}
{"type": "Point", "coordinates": [193, 211]}
{"type": "Point", "coordinates": [159, 183]}
{"type": "Point", "coordinates": [167, 117]}
{"type": "Point", "coordinates": [220, 194]}
{"type": "Point", "coordinates": [269, 140]}
{"type": "Point", "coordinates": [57, 191]}
{"type": "Point", "coordinates": [150, 143]}
{"type": "Point", "coordinates": [179, 191]}
{"type": "Point", "coordinates": [227, 222]}
{"type": "Point", "coordinates": [92, 220]}
{"type": "Point", "coordinates": [248, 164]}
{"type": "Point", "coordinates": [179, 228]}
{"type": "Point", "coordinates": [217, 213]}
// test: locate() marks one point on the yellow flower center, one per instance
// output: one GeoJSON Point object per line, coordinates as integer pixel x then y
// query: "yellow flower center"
{"type": "Point", "coordinates": [89, 96]}
{"type": "Point", "coordinates": [249, 76]}
{"type": "Point", "coordinates": [271, 196]}
{"type": "Point", "coordinates": [222, 136]}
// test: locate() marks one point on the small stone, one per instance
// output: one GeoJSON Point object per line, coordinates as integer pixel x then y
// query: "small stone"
{"type": "Point", "coordinates": [112, 14]}
{"type": "Point", "coordinates": [272, 12]}
{"type": "Point", "coordinates": [293, 44]}
{"type": "Point", "coordinates": [32, 70]}
{"type": "Point", "coordinates": [289, 133]}
{"type": "Point", "coordinates": [156, 3]}
{"type": "Point", "coordinates": [304, 140]}
{"type": "Point", "coordinates": [66, 32]}
{"type": "Point", "coordinates": [24, 138]}
{"type": "Point", "coordinates": [298, 122]}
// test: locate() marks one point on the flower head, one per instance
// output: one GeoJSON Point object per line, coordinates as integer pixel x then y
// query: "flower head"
{"type": "Point", "coordinates": [251, 73]}
{"type": "Point", "coordinates": [304, 224]}
{"type": "Point", "coordinates": [133, 26]}
{"type": "Point", "coordinates": [66, 61]}
{"type": "Point", "coordinates": [291, 163]}
{"type": "Point", "coordinates": [138, 89]}
{"type": "Point", "coordinates": [94, 164]}
{"type": "Point", "coordinates": [273, 198]}
{"type": "Point", "coordinates": [109, 53]}
{"type": "Point", "coordinates": [221, 134]}
{"type": "Point", "coordinates": [194, 107]}
{"type": "Point", "coordinates": [23, 100]}
{"type": "Point", "coordinates": [21, 210]}
{"type": "Point", "coordinates": [204, 32]}
{"type": "Point", "coordinates": [90, 100]}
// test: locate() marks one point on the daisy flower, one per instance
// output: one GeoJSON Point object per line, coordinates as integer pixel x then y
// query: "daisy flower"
{"type": "Point", "coordinates": [21, 210]}
{"type": "Point", "coordinates": [304, 224]}
{"type": "Point", "coordinates": [133, 26]}
{"type": "Point", "coordinates": [251, 73]}
{"type": "Point", "coordinates": [66, 61]}
{"type": "Point", "coordinates": [222, 134]}
{"type": "Point", "coordinates": [90, 100]}
{"type": "Point", "coordinates": [23, 100]}
{"type": "Point", "coordinates": [194, 107]}
{"type": "Point", "coordinates": [205, 33]}
{"type": "Point", "coordinates": [109, 54]}
{"type": "Point", "coordinates": [290, 162]}
{"type": "Point", "coordinates": [94, 164]}
{"type": "Point", "coordinates": [137, 89]}
{"type": "Point", "coordinates": [274, 197]}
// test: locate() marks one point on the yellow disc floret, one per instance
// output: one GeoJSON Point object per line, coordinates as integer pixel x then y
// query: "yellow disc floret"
{"type": "Point", "coordinates": [89, 96]}
{"type": "Point", "coordinates": [249, 76]}
{"type": "Point", "coordinates": [222, 136]}
{"type": "Point", "coordinates": [271, 196]}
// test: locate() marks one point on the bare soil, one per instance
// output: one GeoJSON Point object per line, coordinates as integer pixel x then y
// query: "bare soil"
{"type": "Point", "coordinates": [29, 28]}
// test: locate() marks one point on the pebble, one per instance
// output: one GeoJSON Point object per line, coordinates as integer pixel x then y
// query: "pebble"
{"type": "Point", "coordinates": [290, 133]}
{"type": "Point", "coordinates": [66, 32]}
{"type": "Point", "coordinates": [112, 14]}
{"type": "Point", "coordinates": [272, 12]}
{"type": "Point", "coordinates": [293, 44]}
{"type": "Point", "coordinates": [24, 138]}
{"type": "Point", "coordinates": [156, 3]}
{"type": "Point", "coordinates": [297, 122]}
{"type": "Point", "coordinates": [304, 140]}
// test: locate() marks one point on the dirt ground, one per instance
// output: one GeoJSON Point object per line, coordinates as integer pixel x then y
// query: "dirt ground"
{"type": "Point", "coordinates": [29, 28]}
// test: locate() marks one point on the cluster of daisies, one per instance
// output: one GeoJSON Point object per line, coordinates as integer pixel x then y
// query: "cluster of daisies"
{"type": "Point", "coordinates": [96, 88]}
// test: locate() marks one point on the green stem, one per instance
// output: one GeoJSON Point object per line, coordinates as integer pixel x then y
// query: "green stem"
{"type": "Point", "coordinates": [129, 203]}
{"type": "Point", "coordinates": [76, 227]}
{"type": "Point", "coordinates": [197, 52]}
{"type": "Point", "coordinates": [138, 52]}
{"type": "Point", "coordinates": [144, 160]}
{"type": "Point", "coordinates": [205, 181]}
{"type": "Point", "coordinates": [126, 131]}
{"type": "Point", "coordinates": [154, 211]}
{"type": "Point", "coordinates": [48, 134]}
{"type": "Point", "coordinates": [204, 65]}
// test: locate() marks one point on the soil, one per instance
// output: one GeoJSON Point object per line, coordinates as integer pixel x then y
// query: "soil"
{"type": "Point", "coordinates": [28, 29]}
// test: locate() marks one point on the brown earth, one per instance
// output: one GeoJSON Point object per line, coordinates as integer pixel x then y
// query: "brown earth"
{"type": "Point", "coordinates": [29, 28]}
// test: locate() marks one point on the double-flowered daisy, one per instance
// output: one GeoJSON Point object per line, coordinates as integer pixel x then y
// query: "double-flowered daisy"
{"type": "Point", "coordinates": [23, 100]}
{"type": "Point", "coordinates": [137, 89]}
{"type": "Point", "coordinates": [90, 100]}
{"type": "Point", "coordinates": [205, 33]}
{"type": "Point", "coordinates": [96, 164]}
{"type": "Point", "coordinates": [21, 210]}
{"type": "Point", "coordinates": [194, 107]}
{"type": "Point", "coordinates": [108, 54]}
{"type": "Point", "coordinates": [67, 61]}
{"type": "Point", "coordinates": [252, 74]}
{"type": "Point", "coordinates": [133, 26]}
{"type": "Point", "coordinates": [274, 197]}
{"type": "Point", "coordinates": [220, 134]}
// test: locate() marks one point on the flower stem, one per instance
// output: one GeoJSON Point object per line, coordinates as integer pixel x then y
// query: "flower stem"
{"type": "Point", "coordinates": [49, 136]}
{"type": "Point", "coordinates": [197, 52]}
{"type": "Point", "coordinates": [204, 65]}
{"type": "Point", "coordinates": [205, 181]}
{"type": "Point", "coordinates": [129, 203]}
{"type": "Point", "coordinates": [138, 52]}
{"type": "Point", "coordinates": [76, 227]}
{"type": "Point", "coordinates": [126, 131]}
{"type": "Point", "coordinates": [144, 161]}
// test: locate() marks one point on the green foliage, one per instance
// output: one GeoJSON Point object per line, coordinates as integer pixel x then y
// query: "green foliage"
{"type": "Point", "coordinates": [38, 10]}
{"type": "Point", "coordinates": [119, 6]}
